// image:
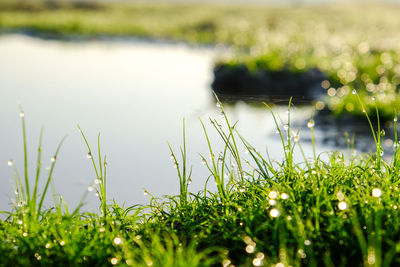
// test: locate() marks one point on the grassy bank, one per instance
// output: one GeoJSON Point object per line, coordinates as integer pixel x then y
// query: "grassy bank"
{"type": "Point", "coordinates": [355, 46]}
{"type": "Point", "coordinates": [325, 210]}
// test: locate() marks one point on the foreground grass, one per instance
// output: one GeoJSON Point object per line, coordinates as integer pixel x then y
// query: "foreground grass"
{"type": "Point", "coordinates": [335, 211]}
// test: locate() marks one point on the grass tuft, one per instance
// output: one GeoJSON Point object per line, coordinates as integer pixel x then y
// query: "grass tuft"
{"type": "Point", "coordinates": [337, 211]}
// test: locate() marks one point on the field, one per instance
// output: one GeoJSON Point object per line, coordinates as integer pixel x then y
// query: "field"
{"type": "Point", "coordinates": [333, 209]}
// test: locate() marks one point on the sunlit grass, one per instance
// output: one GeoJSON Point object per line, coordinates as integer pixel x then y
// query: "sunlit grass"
{"type": "Point", "coordinates": [326, 209]}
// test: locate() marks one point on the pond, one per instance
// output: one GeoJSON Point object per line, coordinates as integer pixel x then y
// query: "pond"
{"type": "Point", "coordinates": [136, 95]}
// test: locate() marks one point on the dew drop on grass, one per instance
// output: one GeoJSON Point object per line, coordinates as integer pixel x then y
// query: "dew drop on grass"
{"type": "Point", "coordinates": [396, 145]}
{"type": "Point", "coordinates": [272, 202]}
{"type": "Point", "coordinates": [226, 263]}
{"type": "Point", "coordinates": [274, 213]}
{"type": "Point", "coordinates": [257, 262]}
{"type": "Point", "coordinates": [371, 258]}
{"type": "Point", "coordinates": [189, 181]}
{"type": "Point", "coordinates": [203, 161]}
{"type": "Point", "coordinates": [296, 138]}
{"type": "Point", "coordinates": [310, 123]}
{"type": "Point", "coordinates": [383, 133]}
{"type": "Point", "coordinates": [285, 127]}
{"type": "Point", "coordinates": [250, 248]}
{"type": "Point", "coordinates": [114, 261]}
{"type": "Point", "coordinates": [117, 241]}
{"type": "Point", "coordinates": [307, 242]}
{"type": "Point", "coordinates": [96, 181]}
{"type": "Point", "coordinates": [284, 196]}
{"type": "Point", "coordinates": [62, 243]}
{"type": "Point", "coordinates": [260, 255]}
{"type": "Point", "coordinates": [273, 194]}
{"type": "Point", "coordinates": [89, 155]}
{"type": "Point", "coordinates": [354, 92]}
{"type": "Point", "coordinates": [176, 165]}
{"type": "Point", "coordinates": [25, 234]}
{"type": "Point", "coordinates": [340, 195]}
{"type": "Point", "coordinates": [10, 163]}
{"type": "Point", "coordinates": [373, 98]}
{"type": "Point", "coordinates": [343, 205]}
{"type": "Point", "coordinates": [302, 254]}
{"type": "Point", "coordinates": [395, 119]}
{"type": "Point", "coordinates": [22, 114]}
{"type": "Point", "coordinates": [90, 188]}
{"type": "Point", "coordinates": [48, 245]}
{"type": "Point", "coordinates": [53, 158]}
{"type": "Point", "coordinates": [218, 105]}
{"type": "Point", "coordinates": [145, 192]}
{"type": "Point", "coordinates": [220, 160]}
{"type": "Point", "coordinates": [376, 192]}
{"type": "Point", "coordinates": [279, 264]}
{"type": "Point", "coordinates": [382, 152]}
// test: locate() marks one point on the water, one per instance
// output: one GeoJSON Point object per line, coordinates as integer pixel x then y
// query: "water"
{"type": "Point", "coordinates": [135, 94]}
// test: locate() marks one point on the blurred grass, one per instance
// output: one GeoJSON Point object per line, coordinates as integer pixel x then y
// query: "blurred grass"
{"type": "Point", "coordinates": [357, 46]}
{"type": "Point", "coordinates": [206, 23]}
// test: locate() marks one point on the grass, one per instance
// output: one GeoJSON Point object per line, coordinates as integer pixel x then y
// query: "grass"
{"type": "Point", "coordinates": [349, 43]}
{"type": "Point", "coordinates": [327, 209]}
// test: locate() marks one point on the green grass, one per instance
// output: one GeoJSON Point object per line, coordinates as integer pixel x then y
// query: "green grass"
{"type": "Point", "coordinates": [326, 209]}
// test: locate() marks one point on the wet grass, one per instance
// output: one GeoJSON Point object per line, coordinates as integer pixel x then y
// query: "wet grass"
{"type": "Point", "coordinates": [328, 209]}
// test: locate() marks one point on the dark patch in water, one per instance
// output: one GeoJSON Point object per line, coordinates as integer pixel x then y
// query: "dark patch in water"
{"type": "Point", "coordinates": [239, 83]}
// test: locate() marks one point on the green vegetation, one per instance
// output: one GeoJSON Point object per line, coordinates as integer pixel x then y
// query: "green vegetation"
{"type": "Point", "coordinates": [356, 46]}
{"type": "Point", "coordinates": [325, 210]}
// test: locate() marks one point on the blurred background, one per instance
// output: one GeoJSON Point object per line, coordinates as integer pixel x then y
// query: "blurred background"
{"type": "Point", "coordinates": [133, 70]}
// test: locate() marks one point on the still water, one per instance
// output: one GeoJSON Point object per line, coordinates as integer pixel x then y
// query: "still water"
{"type": "Point", "coordinates": [135, 94]}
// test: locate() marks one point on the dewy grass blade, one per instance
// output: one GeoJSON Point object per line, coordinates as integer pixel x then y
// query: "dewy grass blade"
{"type": "Point", "coordinates": [38, 168]}
{"type": "Point", "coordinates": [49, 177]}
{"type": "Point", "coordinates": [27, 190]}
